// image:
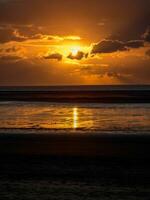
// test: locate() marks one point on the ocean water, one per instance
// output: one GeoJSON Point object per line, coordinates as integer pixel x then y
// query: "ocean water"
{"type": "Point", "coordinates": [47, 117]}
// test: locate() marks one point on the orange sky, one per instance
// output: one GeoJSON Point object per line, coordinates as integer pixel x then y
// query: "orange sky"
{"type": "Point", "coordinates": [67, 42]}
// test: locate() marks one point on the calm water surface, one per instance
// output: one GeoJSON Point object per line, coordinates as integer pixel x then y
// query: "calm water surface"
{"type": "Point", "coordinates": [52, 117]}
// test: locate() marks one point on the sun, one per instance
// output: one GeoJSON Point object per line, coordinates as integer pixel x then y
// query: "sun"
{"type": "Point", "coordinates": [74, 50]}
{"type": "Point", "coordinates": [70, 49]}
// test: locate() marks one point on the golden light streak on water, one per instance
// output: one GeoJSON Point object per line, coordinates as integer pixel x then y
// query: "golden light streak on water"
{"type": "Point", "coordinates": [75, 118]}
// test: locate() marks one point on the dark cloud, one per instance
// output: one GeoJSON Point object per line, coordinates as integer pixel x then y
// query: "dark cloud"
{"type": "Point", "coordinates": [10, 34]}
{"type": "Point", "coordinates": [112, 72]}
{"type": "Point", "coordinates": [114, 44]}
{"type": "Point", "coordinates": [135, 44]}
{"type": "Point", "coordinates": [10, 58]}
{"type": "Point", "coordinates": [146, 35]}
{"type": "Point", "coordinates": [108, 46]}
{"type": "Point", "coordinates": [114, 75]}
{"type": "Point", "coordinates": [19, 33]}
{"type": "Point", "coordinates": [126, 20]}
{"type": "Point", "coordinates": [127, 71]}
{"type": "Point", "coordinates": [79, 56]}
{"type": "Point", "coordinates": [54, 56]}
{"type": "Point", "coordinates": [111, 46]}
{"type": "Point", "coordinates": [135, 22]}
{"type": "Point", "coordinates": [29, 30]}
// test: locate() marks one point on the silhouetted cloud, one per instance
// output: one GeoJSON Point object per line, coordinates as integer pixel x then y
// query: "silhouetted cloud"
{"type": "Point", "coordinates": [135, 44]}
{"type": "Point", "coordinates": [21, 33]}
{"type": "Point", "coordinates": [79, 56]}
{"type": "Point", "coordinates": [125, 71]}
{"type": "Point", "coordinates": [9, 34]}
{"type": "Point", "coordinates": [54, 56]}
{"type": "Point", "coordinates": [111, 46]}
{"type": "Point", "coordinates": [108, 46]}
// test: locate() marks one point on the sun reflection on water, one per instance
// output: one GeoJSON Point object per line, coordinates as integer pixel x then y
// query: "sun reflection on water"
{"type": "Point", "coordinates": [96, 117]}
{"type": "Point", "coordinates": [75, 118]}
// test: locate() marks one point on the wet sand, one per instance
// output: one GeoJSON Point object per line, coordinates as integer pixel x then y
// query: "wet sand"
{"type": "Point", "coordinates": [107, 145]}
{"type": "Point", "coordinates": [74, 167]}
{"type": "Point", "coordinates": [35, 177]}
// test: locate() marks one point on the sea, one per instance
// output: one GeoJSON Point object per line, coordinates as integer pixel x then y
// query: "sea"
{"type": "Point", "coordinates": [50, 117]}
{"type": "Point", "coordinates": [35, 117]}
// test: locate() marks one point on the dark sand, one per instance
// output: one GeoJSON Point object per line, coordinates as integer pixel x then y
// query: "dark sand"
{"type": "Point", "coordinates": [75, 144]}
{"type": "Point", "coordinates": [43, 167]}
{"type": "Point", "coordinates": [75, 178]}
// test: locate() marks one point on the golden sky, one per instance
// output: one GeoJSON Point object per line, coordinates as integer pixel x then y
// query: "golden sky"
{"type": "Point", "coordinates": [67, 42]}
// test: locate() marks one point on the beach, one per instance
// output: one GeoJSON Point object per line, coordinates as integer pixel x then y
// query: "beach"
{"type": "Point", "coordinates": [74, 100]}
{"type": "Point", "coordinates": [104, 145]}
{"type": "Point", "coordinates": [59, 177]}
{"type": "Point", "coordinates": [74, 167]}
{"type": "Point", "coordinates": [79, 148]}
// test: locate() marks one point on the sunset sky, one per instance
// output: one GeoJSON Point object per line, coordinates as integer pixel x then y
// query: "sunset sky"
{"type": "Point", "coordinates": [74, 42]}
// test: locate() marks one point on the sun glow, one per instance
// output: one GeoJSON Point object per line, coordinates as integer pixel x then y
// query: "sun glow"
{"type": "Point", "coordinates": [74, 50]}
{"type": "Point", "coordinates": [75, 118]}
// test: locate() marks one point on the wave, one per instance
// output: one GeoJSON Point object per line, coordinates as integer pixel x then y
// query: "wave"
{"type": "Point", "coordinates": [68, 131]}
